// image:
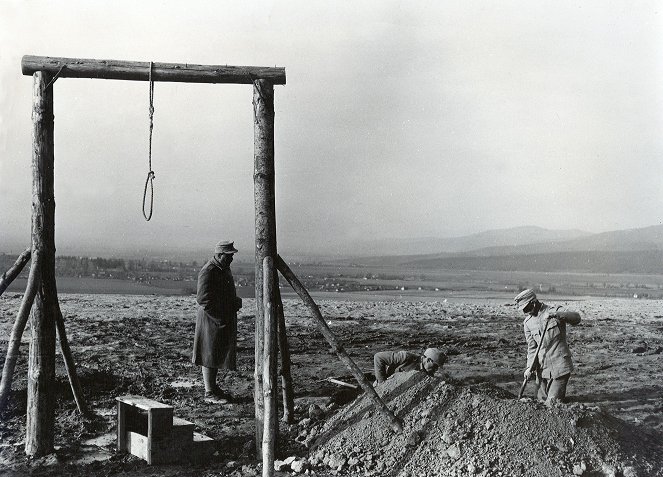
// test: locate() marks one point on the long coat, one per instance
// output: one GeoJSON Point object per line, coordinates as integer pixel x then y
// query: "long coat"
{"type": "Point", "coordinates": [215, 338]}
{"type": "Point", "coordinates": [554, 355]}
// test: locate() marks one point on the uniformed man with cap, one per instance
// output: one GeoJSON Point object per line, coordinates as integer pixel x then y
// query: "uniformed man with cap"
{"type": "Point", "coordinates": [215, 338]}
{"type": "Point", "coordinates": [554, 359]}
{"type": "Point", "coordinates": [386, 363]}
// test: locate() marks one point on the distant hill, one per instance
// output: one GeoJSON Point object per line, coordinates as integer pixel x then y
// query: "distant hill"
{"type": "Point", "coordinates": [491, 238]}
{"type": "Point", "coordinates": [621, 251]}
{"type": "Point", "coordinates": [647, 238]}
{"type": "Point", "coordinates": [515, 249]}
{"type": "Point", "coordinates": [644, 261]}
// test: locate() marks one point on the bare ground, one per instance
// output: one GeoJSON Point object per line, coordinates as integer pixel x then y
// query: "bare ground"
{"type": "Point", "coordinates": [141, 345]}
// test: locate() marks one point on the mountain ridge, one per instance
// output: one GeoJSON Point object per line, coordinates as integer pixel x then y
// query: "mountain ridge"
{"type": "Point", "coordinates": [513, 236]}
{"type": "Point", "coordinates": [619, 251]}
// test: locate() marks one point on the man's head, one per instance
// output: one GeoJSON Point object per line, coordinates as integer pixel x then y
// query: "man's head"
{"type": "Point", "coordinates": [433, 359]}
{"type": "Point", "coordinates": [224, 251]}
{"type": "Point", "coordinates": [526, 301]}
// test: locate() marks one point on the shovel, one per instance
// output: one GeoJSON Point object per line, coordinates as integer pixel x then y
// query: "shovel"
{"type": "Point", "coordinates": [535, 363]}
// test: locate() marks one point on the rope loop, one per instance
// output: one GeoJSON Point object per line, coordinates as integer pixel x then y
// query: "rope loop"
{"type": "Point", "coordinates": [150, 180]}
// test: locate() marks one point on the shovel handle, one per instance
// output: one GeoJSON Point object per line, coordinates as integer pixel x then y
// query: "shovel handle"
{"type": "Point", "coordinates": [536, 356]}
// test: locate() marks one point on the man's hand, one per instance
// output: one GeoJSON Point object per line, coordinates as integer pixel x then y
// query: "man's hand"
{"type": "Point", "coordinates": [527, 374]}
{"type": "Point", "coordinates": [553, 315]}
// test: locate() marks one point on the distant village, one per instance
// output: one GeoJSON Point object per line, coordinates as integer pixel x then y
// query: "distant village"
{"type": "Point", "coordinates": [123, 269]}
{"type": "Point", "coordinates": [149, 270]}
{"type": "Point", "coordinates": [118, 268]}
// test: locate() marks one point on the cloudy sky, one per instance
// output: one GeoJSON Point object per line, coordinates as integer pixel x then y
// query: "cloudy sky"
{"type": "Point", "coordinates": [399, 119]}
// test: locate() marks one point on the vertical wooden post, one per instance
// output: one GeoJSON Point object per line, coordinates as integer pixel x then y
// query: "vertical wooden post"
{"type": "Point", "coordinates": [265, 223]}
{"type": "Point", "coordinates": [41, 364]}
{"type": "Point", "coordinates": [270, 430]}
{"type": "Point", "coordinates": [284, 351]}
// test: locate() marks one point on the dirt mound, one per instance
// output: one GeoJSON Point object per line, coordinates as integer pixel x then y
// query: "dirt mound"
{"type": "Point", "coordinates": [452, 430]}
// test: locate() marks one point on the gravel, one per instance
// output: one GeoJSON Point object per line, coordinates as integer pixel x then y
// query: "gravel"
{"type": "Point", "coordinates": [453, 430]}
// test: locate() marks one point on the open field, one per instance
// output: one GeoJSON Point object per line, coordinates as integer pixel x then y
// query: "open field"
{"type": "Point", "coordinates": [348, 277]}
{"type": "Point", "coordinates": [138, 344]}
{"type": "Point", "coordinates": [385, 280]}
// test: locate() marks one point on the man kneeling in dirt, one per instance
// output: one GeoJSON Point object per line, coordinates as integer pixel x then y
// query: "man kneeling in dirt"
{"type": "Point", "coordinates": [215, 338]}
{"type": "Point", "coordinates": [387, 363]}
{"type": "Point", "coordinates": [554, 365]}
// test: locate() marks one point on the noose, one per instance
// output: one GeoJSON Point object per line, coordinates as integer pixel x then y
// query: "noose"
{"type": "Point", "coordinates": [150, 174]}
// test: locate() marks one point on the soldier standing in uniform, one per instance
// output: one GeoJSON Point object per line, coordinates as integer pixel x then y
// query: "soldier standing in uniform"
{"type": "Point", "coordinates": [386, 363]}
{"type": "Point", "coordinates": [554, 359]}
{"type": "Point", "coordinates": [215, 338]}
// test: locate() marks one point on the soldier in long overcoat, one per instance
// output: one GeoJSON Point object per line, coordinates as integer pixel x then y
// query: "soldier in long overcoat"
{"type": "Point", "coordinates": [215, 338]}
{"type": "Point", "coordinates": [554, 358]}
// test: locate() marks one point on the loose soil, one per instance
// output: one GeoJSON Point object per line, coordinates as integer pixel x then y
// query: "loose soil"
{"type": "Point", "coordinates": [142, 344]}
{"type": "Point", "coordinates": [452, 430]}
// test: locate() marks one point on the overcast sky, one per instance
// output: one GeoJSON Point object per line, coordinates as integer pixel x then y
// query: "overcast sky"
{"type": "Point", "coordinates": [399, 119]}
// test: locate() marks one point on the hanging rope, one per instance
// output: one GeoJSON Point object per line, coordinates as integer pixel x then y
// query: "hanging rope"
{"type": "Point", "coordinates": [150, 174]}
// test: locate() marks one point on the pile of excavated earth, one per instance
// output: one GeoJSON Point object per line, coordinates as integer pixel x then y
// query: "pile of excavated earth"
{"type": "Point", "coordinates": [451, 430]}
